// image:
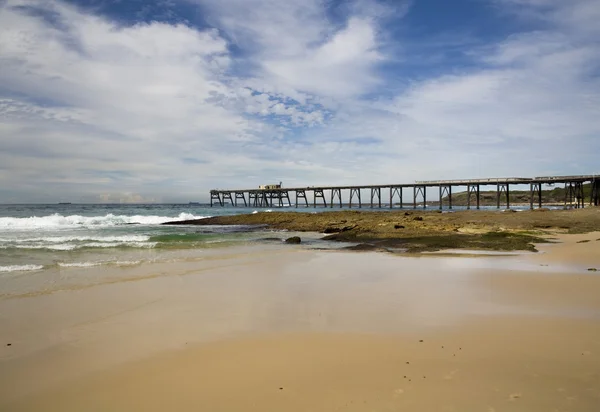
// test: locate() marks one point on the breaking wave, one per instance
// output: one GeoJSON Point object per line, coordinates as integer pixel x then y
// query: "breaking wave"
{"type": "Point", "coordinates": [58, 221]}
{"type": "Point", "coordinates": [20, 268]}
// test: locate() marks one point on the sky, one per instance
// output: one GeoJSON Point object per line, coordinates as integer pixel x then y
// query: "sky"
{"type": "Point", "coordinates": [161, 101]}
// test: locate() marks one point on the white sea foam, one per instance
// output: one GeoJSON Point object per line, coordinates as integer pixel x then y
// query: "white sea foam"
{"type": "Point", "coordinates": [20, 268]}
{"type": "Point", "coordinates": [73, 246]}
{"type": "Point", "coordinates": [127, 262]}
{"type": "Point", "coordinates": [79, 264]}
{"type": "Point", "coordinates": [58, 221]}
{"type": "Point", "coordinates": [84, 238]}
{"type": "Point", "coordinates": [94, 264]}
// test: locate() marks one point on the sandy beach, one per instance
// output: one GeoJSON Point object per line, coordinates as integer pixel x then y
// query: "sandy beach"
{"type": "Point", "coordinates": [285, 328]}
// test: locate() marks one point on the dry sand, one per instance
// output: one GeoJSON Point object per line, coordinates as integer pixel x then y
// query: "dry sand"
{"type": "Point", "coordinates": [298, 330]}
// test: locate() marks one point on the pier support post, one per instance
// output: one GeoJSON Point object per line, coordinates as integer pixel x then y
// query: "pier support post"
{"type": "Point", "coordinates": [355, 191]}
{"type": "Point", "coordinates": [473, 189]}
{"type": "Point", "coordinates": [574, 191]}
{"type": "Point", "coordinates": [445, 191]}
{"type": "Point", "coordinates": [376, 191]}
{"type": "Point", "coordinates": [240, 195]}
{"type": "Point", "coordinates": [579, 195]}
{"type": "Point", "coordinates": [393, 192]}
{"type": "Point", "coordinates": [227, 195]}
{"type": "Point", "coordinates": [319, 193]}
{"type": "Point", "coordinates": [502, 188]}
{"type": "Point", "coordinates": [535, 188]}
{"type": "Point", "coordinates": [214, 195]}
{"type": "Point", "coordinates": [336, 193]}
{"type": "Point", "coordinates": [595, 195]}
{"type": "Point", "coordinates": [301, 194]}
{"type": "Point", "coordinates": [419, 190]}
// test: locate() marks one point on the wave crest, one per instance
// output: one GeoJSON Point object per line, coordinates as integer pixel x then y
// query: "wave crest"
{"type": "Point", "coordinates": [58, 221]}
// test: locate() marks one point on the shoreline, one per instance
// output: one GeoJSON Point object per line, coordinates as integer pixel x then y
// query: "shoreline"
{"type": "Point", "coordinates": [424, 231]}
{"type": "Point", "coordinates": [333, 329]}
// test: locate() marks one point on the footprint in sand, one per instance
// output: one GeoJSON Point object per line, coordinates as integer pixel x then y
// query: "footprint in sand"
{"type": "Point", "coordinates": [514, 396]}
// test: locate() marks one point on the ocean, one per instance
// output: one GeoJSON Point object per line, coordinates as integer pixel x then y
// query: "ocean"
{"type": "Point", "coordinates": [36, 237]}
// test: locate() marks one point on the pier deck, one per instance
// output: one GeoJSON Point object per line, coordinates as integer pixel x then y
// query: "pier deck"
{"type": "Point", "coordinates": [330, 196]}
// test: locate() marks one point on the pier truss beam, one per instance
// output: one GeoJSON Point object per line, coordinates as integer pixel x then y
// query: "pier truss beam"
{"type": "Point", "coordinates": [535, 189]}
{"type": "Point", "coordinates": [355, 191]}
{"type": "Point", "coordinates": [336, 193]}
{"type": "Point", "coordinates": [301, 194]}
{"type": "Point", "coordinates": [446, 191]}
{"type": "Point", "coordinates": [419, 190]}
{"type": "Point", "coordinates": [395, 191]}
{"type": "Point", "coordinates": [318, 193]}
{"type": "Point", "coordinates": [375, 192]}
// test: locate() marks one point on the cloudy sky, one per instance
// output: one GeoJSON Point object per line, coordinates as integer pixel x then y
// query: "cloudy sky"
{"type": "Point", "coordinates": [163, 100]}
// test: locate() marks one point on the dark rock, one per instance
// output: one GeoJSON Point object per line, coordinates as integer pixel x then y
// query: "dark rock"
{"type": "Point", "coordinates": [9, 344]}
{"type": "Point", "coordinates": [365, 247]}
{"type": "Point", "coordinates": [583, 241]}
{"type": "Point", "coordinates": [592, 270]}
{"type": "Point", "coordinates": [420, 340]}
{"type": "Point", "coordinates": [332, 230]}
{"type": "Point", "coordinates": [418, 218]}
{"type": "Point", "coordinates": [407, 213]}
{"type": "Point", "coordinates": [293, 240]}
{"type": "Point", "coordinates": [398, 227]}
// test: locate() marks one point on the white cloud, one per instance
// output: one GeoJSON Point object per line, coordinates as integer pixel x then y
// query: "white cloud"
{"type": "Point", "coordinates": [276, 91]}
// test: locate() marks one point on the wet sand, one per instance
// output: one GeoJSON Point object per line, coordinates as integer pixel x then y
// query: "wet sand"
{"type": "Point", "coordinates": [285, 328]}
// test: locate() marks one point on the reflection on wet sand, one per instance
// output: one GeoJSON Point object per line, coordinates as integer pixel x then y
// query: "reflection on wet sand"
{"type": "Point", "coordinates": [334, 330]}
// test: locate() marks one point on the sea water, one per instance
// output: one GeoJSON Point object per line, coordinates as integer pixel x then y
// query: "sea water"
{"type": "Point", "coordinates": [34, 237]}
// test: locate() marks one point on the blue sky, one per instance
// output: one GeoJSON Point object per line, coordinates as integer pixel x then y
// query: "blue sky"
{"type": "Point", "coordinates": [131, 100]}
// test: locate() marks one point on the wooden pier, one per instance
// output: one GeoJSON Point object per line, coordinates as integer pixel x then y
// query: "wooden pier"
{"type": "Point", "coordinates": [330, 196]}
